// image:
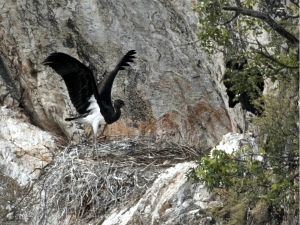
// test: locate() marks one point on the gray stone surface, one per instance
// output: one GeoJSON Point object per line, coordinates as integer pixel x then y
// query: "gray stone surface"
{"type": "Point", "coordinates": [24, 149]}
{"type": "Point", "coordinates": [171, 90]}
{"type": "Point", "coordinates": [172, 93]}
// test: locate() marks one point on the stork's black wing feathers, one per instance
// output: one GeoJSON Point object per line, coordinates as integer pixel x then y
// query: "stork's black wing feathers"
{"type": "Point", "coordinates": [78, 78]}
{"type": "Point", "coordinates": [104, 87]}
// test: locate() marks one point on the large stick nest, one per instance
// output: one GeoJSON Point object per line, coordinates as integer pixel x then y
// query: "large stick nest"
{"type": "Point", "coordinates": [77, 188]}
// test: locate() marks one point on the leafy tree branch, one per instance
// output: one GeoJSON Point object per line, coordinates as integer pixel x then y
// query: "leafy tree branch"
{"type": "Point", "coordinates": [266, 38]}
{"type": "Point", "coordinates": [265, 17]}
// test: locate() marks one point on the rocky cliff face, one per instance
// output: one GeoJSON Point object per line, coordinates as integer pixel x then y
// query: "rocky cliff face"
{"type": "Point", "coordinates": [170, 91]}
{"type": "Point", "coordinates": [24, 148]}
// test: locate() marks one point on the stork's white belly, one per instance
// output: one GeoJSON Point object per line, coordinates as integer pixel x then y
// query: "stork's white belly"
{"type": "Point", "coordinates": [94, 117]}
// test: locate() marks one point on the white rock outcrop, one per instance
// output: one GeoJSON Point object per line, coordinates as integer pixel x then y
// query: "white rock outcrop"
{"type": "Point", "coordinates": [24, 148]}
{"type": "Point", "coordinates": [170, 200]}
{"type": "Point", "coordinates": [241, 143]}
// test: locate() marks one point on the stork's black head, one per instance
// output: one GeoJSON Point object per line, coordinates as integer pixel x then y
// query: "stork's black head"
{"type": "Point", "coordinates": [119, 104]}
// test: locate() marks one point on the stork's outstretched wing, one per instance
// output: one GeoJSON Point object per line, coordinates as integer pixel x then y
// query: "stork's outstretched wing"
{"type": "Point", "coordinates": [78, 78]}
{"type": "Point", "coordinates": [104, 87]}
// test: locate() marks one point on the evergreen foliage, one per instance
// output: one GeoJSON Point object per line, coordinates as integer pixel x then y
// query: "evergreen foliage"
{"type": "Point", "coordinates": [265, 33]}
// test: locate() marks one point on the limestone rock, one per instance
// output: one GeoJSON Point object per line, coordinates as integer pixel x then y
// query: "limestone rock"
{"type": "Point", "coordinates": [156, 201]}
{"type": "Point", "coordinates": [132, 182]}
{"type": "Point", "coordinates": [232, 142]}
{"type": "Point", "coordinates": [171, 91]}
{"type": "Point", "coordinates": [170, 200]}
{"type": "Point", "coordinates": [24, 148]}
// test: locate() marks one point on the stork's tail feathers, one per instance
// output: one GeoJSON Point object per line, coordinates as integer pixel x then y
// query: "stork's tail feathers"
{"type": "Point", "coordinates": [70, 119]}
{"type": "Point", "coordinates": [77, 118]}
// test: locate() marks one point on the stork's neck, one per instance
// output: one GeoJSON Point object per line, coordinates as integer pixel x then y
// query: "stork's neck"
{"type": "Point", "coordinates": [117, 113]}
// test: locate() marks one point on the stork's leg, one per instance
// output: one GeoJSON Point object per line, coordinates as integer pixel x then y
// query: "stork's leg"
{"type": "Point", "coordinates": [103, 130]}
{"type": "Point", "coordinates": [94, 144]}
{"type": "Point", "coordinates": [95, 129]}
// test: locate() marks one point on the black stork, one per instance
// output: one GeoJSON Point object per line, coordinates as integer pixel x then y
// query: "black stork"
{"type": "Point", "coordinates": [94, 105]}
{"type": "Point", "coordinates": [244, 98]}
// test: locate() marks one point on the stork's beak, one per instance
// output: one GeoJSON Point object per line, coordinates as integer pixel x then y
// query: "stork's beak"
{"type": "Point", "coordinates": [124, 108]}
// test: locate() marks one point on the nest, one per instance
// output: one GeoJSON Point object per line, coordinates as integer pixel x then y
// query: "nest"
{"type": "Point", "coordinates": [77, 188]}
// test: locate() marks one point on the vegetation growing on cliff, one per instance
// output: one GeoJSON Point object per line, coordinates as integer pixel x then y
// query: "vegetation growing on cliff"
{"type": "Point", "coordinates": [265, 33]}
